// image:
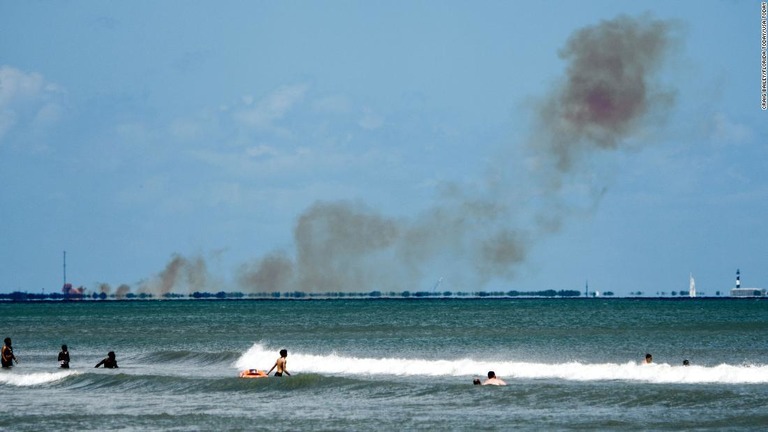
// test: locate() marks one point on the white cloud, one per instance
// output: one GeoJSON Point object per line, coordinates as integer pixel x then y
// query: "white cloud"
{"type": "Point", "coordinates": [26, 99]}
{"type": "Point", "coordinates": [261, 150]}
{"type": "Point", "coordinates": [332, 104]}
{"type": "Point", "coordinates": [370, 119]}
{"type": "Point", "coordinates": [19, 86]}
{"type": "Point", "coordinates": [7, 120]}
{"type": "Point", "coordinates": [271, 108]}
{"type": "Point", "coordinates": [255, 161]}
{"type": "Point", "coordinates": [143, 191]}
{"type": "Point", "coordinates": [265, 161]}
{"type": "Point", "coordinates": [185, 129]}
{"type": "Point", "coordinates": [725, 130]}
{"type": "Point", "coordinates": [134, 132]}
{"type": "Point", "coordinates": [47, 115]}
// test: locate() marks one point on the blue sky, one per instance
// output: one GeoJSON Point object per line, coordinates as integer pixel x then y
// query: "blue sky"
{"type": "Point", "coordinates": [382, 145]}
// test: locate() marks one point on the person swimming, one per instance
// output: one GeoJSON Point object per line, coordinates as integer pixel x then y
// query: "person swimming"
{"type": "Point", "coordinates": [280, 364]}
{"type": "Point", "coordinates": [64, 357]}
{"type": "Point", "coordinates": [648, 359]}
{"type": "Point", "coordinates": [110, 362]}
{"type": "Point", "coordinates": [494, 380]}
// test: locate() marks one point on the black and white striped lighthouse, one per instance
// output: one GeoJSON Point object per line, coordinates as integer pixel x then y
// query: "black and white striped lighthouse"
{"type": "Point", "coordinates": [738, 278]}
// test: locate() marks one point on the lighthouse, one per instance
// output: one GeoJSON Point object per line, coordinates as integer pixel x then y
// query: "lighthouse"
{"type": "Point", "coordinates": [746, 292]}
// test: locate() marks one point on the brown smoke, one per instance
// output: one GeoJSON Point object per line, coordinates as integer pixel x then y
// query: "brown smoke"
{"type": "Point", "coordinates": [484, 234]}
{"type": "Point", "coordinates": [104, 288]}
{"type": "Point", "coordinates": [480, 236]}
{"type": "Point", "coordinates": [348, 247]}
{"type": "Point", "coordinates": [181, 275]}
{"type": "Point", "coordinates": [338, 246]}
{"type": "Point", "coordinates": [122, 291]}
{"type": "Point", "coordinates": [273, 273]}
{"type": "Point", "coordinates": [608, 89]}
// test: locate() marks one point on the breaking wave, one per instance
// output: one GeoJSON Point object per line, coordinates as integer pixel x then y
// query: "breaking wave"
{"type": "Point", "coordinates": [259, 357]}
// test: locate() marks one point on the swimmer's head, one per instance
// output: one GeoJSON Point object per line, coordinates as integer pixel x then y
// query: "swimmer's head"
{"type": "Point", "coordinates": [476, 381]}
{"type": "Point", "coordinates": [686, 363]}
{"type": "Point", "coordinates": [111, 354]}
{"type": "Point", "coordinates": [648, 358]}
{"type": "Point", "coordinates": [491, 374]}
{"type": "Point", "coordinates": [63, 347]}
{"type": "Point", "coordinates": [7, 341]}
{"type": "Point", "coordinates": [283, 353]}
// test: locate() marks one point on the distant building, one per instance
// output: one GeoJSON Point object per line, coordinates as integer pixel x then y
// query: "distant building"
{"type": "Point", "coordinates": [747, 292]}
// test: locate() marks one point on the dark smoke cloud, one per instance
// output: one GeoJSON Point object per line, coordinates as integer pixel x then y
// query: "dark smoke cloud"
{"type": "Point", "coordinates": [348, 247]}
{"type": "Point", "coordinates": [340, 246]}
{"type": "Point", "coordinates": [181, 275]}
{"type": "Point", "coordinates": [484, 234]}
{"type": "Point", "coordinates": [273, 273]}
{"type": "Point", "coordinates": [608, 89]}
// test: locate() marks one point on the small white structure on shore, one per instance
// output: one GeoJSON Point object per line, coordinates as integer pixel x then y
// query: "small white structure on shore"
{"type": "Point", "coordinates": [588, 294]}
{"type": "Point", "coordinates": [692, 287]}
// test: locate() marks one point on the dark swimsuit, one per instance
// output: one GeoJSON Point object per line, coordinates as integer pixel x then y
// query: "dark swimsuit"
{"type": "Point", "coordinates": [64, 359]}
{"type": "Point", "coordinates": [108, 363]}
{"type": "Point", "coordinates": [7, 354]}
{"type": "Point", "coordinates": [278, 374]}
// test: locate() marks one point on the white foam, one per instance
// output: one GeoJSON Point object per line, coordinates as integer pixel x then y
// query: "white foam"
{"type": "Point", "coordinates": [258, 357]}
{"type": "Point", "coordinates": [21, 379]}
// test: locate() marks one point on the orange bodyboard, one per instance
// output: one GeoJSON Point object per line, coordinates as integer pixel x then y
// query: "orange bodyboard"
{"type": "Point", "coordinates": [253, 373]}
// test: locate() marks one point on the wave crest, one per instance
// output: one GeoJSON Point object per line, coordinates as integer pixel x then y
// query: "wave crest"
{"type": "Point", "coordinates": [258, 357]}
{"type": "Point", "coordinates": [14, 378]}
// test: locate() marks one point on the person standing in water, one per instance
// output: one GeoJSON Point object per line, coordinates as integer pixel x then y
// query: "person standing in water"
{"type": "Point", "coordinates": [280, 364]}
{"type": "Point", "coordinates": [6, 357]}
{"type": "Point", "coordinates": [648, 359]}
{"type": "Point", "coordinates": [64, 357]}
{"type": "Point", "coordinates": [110, 362]}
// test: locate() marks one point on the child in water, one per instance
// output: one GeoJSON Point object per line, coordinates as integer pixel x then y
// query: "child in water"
{"type": "Point", "coordinates": [64, 357]}
{"type": "Point", "coordinates": [281, 364]}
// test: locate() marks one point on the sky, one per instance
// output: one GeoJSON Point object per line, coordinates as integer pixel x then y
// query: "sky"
{"type": "Point", "coordinates": [262, 146]}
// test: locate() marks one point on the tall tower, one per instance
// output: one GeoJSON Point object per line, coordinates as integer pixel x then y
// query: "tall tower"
{"type": "Point", "coordinates": [738, 278]}
{"type": "Point", "coordinates": [66, 288]}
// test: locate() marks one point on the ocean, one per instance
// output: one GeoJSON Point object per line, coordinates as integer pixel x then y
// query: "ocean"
{"type": "Point", "coordinates": [406, 364]}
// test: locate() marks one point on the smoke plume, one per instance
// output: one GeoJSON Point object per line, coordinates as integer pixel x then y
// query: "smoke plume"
{"type": "Point", "coordinates": [608, 88]}
{"type": "Point", "coordinates": [180, 275]}
{"type": "Point", "coordinates": [105, 289]}
{"type": "Point", "coordinates": [122, 291]}
{"type": "Point", "coordinates": [473, 237]}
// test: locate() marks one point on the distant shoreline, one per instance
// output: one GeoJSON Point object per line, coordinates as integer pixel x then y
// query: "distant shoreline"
{"type": "Point", "coordinates": [18, 297]}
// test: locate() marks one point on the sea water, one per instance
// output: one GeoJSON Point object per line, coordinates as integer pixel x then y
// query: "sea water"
{"type": "Point", "coordinates": [389, 365]}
